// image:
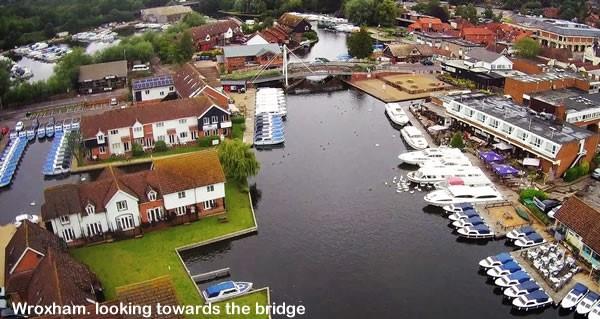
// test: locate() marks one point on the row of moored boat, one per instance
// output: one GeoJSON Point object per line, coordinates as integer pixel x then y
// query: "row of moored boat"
{"type": "Point", "coordinates": [270, 112]}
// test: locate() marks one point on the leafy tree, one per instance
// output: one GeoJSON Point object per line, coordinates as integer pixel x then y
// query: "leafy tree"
{"type": "Point", "coordinates": [193, 19]}
{"type": "Point", "coordinates": [360, 11]}
{"type": "Point", "coordinates": [137, 150]}
{"type": "Point", "coordinates": [527, 48]}
{"type": "Point", "coordinates": [386, 13]}
{"type": "Point", "coordinates": [468, 12]}
{"type": "Point", "coordinates": [488, 13]}
{"type": "Point", "coordinates": [4, 80]}
{"type": "Point", "coordinates": [360, 44]}
{"type": "Point", "coordinates": [68, 67]}
{"type": "Point", "coordinates": [457, 140]}
{"type": "Point", "coordinates": [160, 146]}
{"type": "Point", "coordinates": [185, 49]}
{"type": "Point", "coordinates": [75, 145]}
{"type": "Point", "coordinates": [238, 160]}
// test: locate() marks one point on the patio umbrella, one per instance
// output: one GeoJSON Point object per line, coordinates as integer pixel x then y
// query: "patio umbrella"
{"type": "Point", "coordinates": [505, 170]}
{"type": "Point", "coordinates": [490, 156]}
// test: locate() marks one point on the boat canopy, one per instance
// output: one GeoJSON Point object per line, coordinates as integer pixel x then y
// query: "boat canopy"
{"type": "Point", "coordinates": [503, 257]}
{"type": "Point", "coordinates": [463, 205]}
{"type": "Point", "coordinates": [475, 219]}
{"type": "Point", "coordinates": [469, 213]}
{"type": "Point", "coordinates": [528, 286]}
{"type": "Point", "coordinates": [526, 230]}
{"type": "Point", "coordinates": [511, 265]}
{"type": "Point", "coordinates": [538, 295]}
{"type": "Point", "coordinates": [535, 237]}
{"type": "Point", "coordinates": [214, 290]}
{"type": "Point", "coordinates": [482, 229]}
{"type": "Point", "coordinates": [580, 289]}
{"type": "Point", "coordinates": [592, 296]}
{"type": "Point", "coordinates": [519, 275]}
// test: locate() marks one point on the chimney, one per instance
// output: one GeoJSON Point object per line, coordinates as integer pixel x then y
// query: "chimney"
{"type": "Point", "coordinates": [560, 112]}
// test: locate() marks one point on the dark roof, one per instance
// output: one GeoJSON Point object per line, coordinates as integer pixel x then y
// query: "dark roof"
{"type": "Point", "coordinates": [233, 51]}
{"type": "Point", "coordinates": [583, 219]}
{"type": "Point", "coordinates": [483, 54]}
{"type": "Point", "coordinates": [215, 29]}
{"type": "Point", "coordinates": [151, 292]}
{"type": "Point", "coordinates": [561, 27]}
{"type": "Point", "coordinates": [290, 20]}
{"type": "Point", "coordinates": [99, 71]}
{"type": "Point", "coordinates": [63, 198]}
{"type": "Point", "coordinates": [188, 81]}
{"type": "Point", "coordinates": [152, 82]}
{"type": "Point", "coordinates": [145, 114]}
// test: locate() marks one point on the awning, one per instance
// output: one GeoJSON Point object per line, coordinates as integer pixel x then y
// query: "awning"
{"type": "Point", "coordinates": [505, 170]}
{"type": "Point", "coordinates": [503, 146]}
{"type": "Point", "coordinates": [437, 128]}
{"type": "Point", "coordinates": [490, 157]}
{"type": "Point", "coordinates": [531, 161]}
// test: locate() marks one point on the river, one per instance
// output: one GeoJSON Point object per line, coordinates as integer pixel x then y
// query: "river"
{"type": "Point", "coordinates": [330, 46]}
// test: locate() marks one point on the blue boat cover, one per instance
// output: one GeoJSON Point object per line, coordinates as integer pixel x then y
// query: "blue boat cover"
{"type": "Point", "coordinates": [511, 265]}
{"type": "Point", "coordinates": [468, 213]}
{"type": "Point", "coordinates": [463, 205]}
{"type": "Point", "coordinates": [526, 230]}
{"type": "Point", "coordinates": [520, 276]}
{"type": "Point", "coordinates": [214, 290]}
{"type": "Point", "coordinates": [535, 237]}
{"type": "Point", "coordinates": [592, 296]}
{"type": "Point", "coordinates": [538, 295]}
{"type": "Point", "coordinates": [579, 289]}
{"type": "Point", "coordinates": [528, 286]}
{"type": "Point", "coordinates": [482, 229]}
{"type": "Point", "coordinates": [504, 257]}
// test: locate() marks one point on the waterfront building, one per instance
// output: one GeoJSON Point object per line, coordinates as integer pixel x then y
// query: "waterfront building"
{"type": "Point", "coordinates": [175, 190]}
{"type": "Point", "coordinates": [219, 33]}
{"type": "Point", "coordinates": [238, 57]}
{"type": "Point", "coordinates": [459, 47]}
{"type": "Point", "coordinates": [40, 271]}
{"type": "Point", "coordinates": [555, 33]}
{"type": "Point", "coordinates": [432, 39]}
{"type": "Point", "coordinates": [521, 86]}
{"type": "Point", "coordinates": [488, 60]}
{"type": "Point", "coordinates": [427, 24]}
{"type": "Point", "coordinates": [480, 35]}
{"type": "Point", "coordinates": [569, 105]}
{"type": "Point", "coordinates": [558, 146]}
{"type": "Point", "coordinates": [153, 88]}
{"type": "Point", "coordinates": [165, 14]}
{"type": "Point", "coordinates": [102, 77]}
{"type": "Point", "coordinates": [578, 223]}
{"type": "Point", "coordinates": [406, 52]}
{"type": "Point", "coordinates": [294, 25]}
{"type": "Point", "coordinates": [175, 122]}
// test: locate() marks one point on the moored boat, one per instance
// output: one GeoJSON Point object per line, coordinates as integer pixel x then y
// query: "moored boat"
{"type": "Point", "coordinates": [396, 114]}
{"type": "Point", "coordinates": [467, 213]}
{"type": "Point", "coordinates": [476, 232]}
{"type": "Point", "coordinates": [503, 270]}
{"type": "Point", "coordinates": [414, 138]}
{"type": "Point", "coordinates": [574, 296]}
{"type": "Point", "coordinates": [463, 194]}
{"type": "Point", "coordinates": [533, 300]}
{"type": "Point", "coordinates": [457, 208]}
{"type": "Point", "coordinates": [497, 260]}
{"type": "Point", "coordinates": [586, 305]}
{"type": "Point", "coordinates": [521, 289]}
{"type": "Point", "coordinates": [430, 175]}
{"type": "Point", "coordinates": [225, 290]}
{"type": "Point", "coordinates": [513, 279]}
{"type": "Point", "coordinates": [437, 153]}
{"type": "Point", "coordinates": [520, 232]}
{"type": "Point", "coordinates": [530, 240]}
{"type": "Point", "coordinates": [471, 221]}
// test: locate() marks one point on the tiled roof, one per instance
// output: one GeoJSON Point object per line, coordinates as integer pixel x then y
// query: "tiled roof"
{"type": "Point", "coordinates": [188, 81]}
{"type": "Point", "coordinates": [188, 171]}
{"type": "Point", "coordinates": [101, 70]}
{"type": "Point", "coordinates": [145, 114]}
{"type": "Point", "coordinates": [151, 292]}
{"type": "Point", "coordinates": [290, 20]}
{"type": "Point", "coordinates": [213, 30]}
{"type": "Point", "coordinates": [583, 219]}
{"type": "Point", "coordinates": [476, 31]}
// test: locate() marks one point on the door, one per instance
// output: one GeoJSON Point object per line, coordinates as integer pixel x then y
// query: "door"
{"type": "Point", "coordinates": [138, 96]}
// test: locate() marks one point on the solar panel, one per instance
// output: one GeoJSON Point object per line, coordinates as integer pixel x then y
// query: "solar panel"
{"type": "Point", "coordinates": [152, 82]}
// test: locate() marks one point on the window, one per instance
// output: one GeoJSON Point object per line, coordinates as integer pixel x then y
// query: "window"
{"type": "Point", "coordinates": [161, 137]}
{"type": "Point", "coordinates": [137, 129]}
{"type": "Point", "coordinates": [162, 93]}
{"type": "Point", "coordinates": [151, 195]}
{"type": "Point", "coordinates": [494, 123]}
{"type": "Point", "coordinates": [507, 129]}
{"type": "Point", "coordinates": [126, 146]}
{"type": "Point", "coordinates": [125, 222]}
{"type": "Point", "coordinates": [68, 234]}
{"type": "Point", "coordinates": [181, 195]}
{"type": "Point", "coordinates": [155, 214]}
{"type": "Point", "coordinates": [194, 135]}
{"type": "Point", "coordinates": [522, 135]}
{"type": "Point", "coordinates": [102, 149]}
{"type": "Point", "coordinates": [160, 124]}
{"type": "Point", "coordinates": [182, 121]}
{"type": "Point", "coordinates": [122, 205]}
{"type": "Point", "coordinates": [225, 131]}
{"type": "Point", "coordinates": [179, 211]}
{"type": "Point", "coordinates": [481, 117]}
{"type": "Point", "coordinates": [551, 148]}
{"type": "Point", "coordinates": [225, 118]}
{"type": "Point", "coordinates": [210, 188]}
{"type": "Point", "coordinates": [147, 92]}
{"type": "Point", "coordinates": [183, 135]}
{"type": "Point", "coordinates": [215, 119]}
{"type": "Point", "coordinates": [116, 145]}
{"type": "Point", "coordinates": [114, 132]}
{"type": "Point", "coordinates": [171, 88]}
{"type": "Point", "coordinates": [210, 204]}
{"type": "Point", "coordinates": [90, 209]}
{"type": "Point", "coordinates": [206, 133]}
{"type": "Point", "coordinates": [94, 229]}
{"type": "Point", "coordinates": [100, 139]}
{"type": "Point", "coordinates": [537, 142]}
{"type": "Point", "coordinates": [64, 219]}
{"type": "Point", "coordinates": [205, 120]}
{"type": "Point", "coordinates": [172, 139]}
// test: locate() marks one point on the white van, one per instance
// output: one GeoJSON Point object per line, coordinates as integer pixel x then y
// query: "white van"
{"type": "Point", "coordinates": [140, 67]}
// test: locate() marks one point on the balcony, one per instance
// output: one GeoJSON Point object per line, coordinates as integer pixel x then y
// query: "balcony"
{"type": "Point", "coordinates": [209, 127]}
{"type": "Point", "coordinates": [226, 124]}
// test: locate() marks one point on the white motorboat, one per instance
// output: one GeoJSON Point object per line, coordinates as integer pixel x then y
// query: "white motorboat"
{"type": "Point", "coordinates": [430, 175]}
{"type": "Point", "coordinates": [588, 303]}
{"type": "Point", "coordinates": [574, 296]}
{"type": "Point", "coordinates": [533, 300]}
{"type": "Point", "coordinates": [226, 290]}
{"type": "Point", "coordinates": [595, 312]}
{"type": "Point", "coordinates": [521, 289]}
{"type": "Point", "coordinates": [463, 194]}
{"type": "Point", "coordinates": [414, 138]}
{"type": "Point", "coordinates": [513, 279]}
{"type": "Point", "coordinates": [493, 261]}
{"type": "Point", "coordinates": [503, 270]}
{"type": "Point", "coordinates": [471, 221]}
{"type": "Point", "coordinates": [437, 153]}
{"type": "Point", "coordinates": [396, 114]}
{"type": "Point", "coordinates": [530, 240]}
{"type": "Point", "coordinates": [520, 232]}
{"type": "Point", "coordinates": [471, 181]}
{"type": "Point", "coordinates": [457, 208]}
{"type": "Point", "coordinates": [23, 217]}
{"type": "Point", "coordinates": [446, 162]}
{"type": "Point", "coordinates": [476, 232]}
{"type": "Point", "coordinates": [463, 215]}
{"type": "Point", "coordinates": [267, 140]}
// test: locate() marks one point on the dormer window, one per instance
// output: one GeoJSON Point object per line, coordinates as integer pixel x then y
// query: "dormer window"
{"type": "Point", "coordinates": [152, 195]}
{"type": "Point", "coordinates": [90, 209]}
{"type": "Point", "coordinates": [100, 138]}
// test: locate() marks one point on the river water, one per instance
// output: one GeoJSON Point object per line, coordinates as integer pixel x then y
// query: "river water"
{"type": "Point", "coordinates": [333, 237]}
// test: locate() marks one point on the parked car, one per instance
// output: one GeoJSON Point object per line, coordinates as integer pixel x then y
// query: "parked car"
{"type": "Point", "coordinates": [596, 174]}
{"type": "Point", "coordinates": [19, 126]}
{"type": "Point", "coordinates": [545, 205]}
{"type": "Point", "coordinates": [113, 101]}
{"type": "Point", "coordinates": [426, 62]}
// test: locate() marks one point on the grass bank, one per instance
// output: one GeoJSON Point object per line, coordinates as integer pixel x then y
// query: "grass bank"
{"type": "Point", "coordinates": [134, 260]}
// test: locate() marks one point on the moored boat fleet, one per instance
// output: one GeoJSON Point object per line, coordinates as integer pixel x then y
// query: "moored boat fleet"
{"type": "Point", "coordinates": [270, 113]}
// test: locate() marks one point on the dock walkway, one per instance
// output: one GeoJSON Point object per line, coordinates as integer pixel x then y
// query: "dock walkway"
{"type": "Point", "coordinates": [416, 123]}
{"type": "Point", "coordinates": [246, 103]}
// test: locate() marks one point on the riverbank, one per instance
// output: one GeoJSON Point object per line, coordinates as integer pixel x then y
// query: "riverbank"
{"type": "Point", "coordinates": [155, 254]}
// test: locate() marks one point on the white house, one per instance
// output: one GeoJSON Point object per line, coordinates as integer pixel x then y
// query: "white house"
{"type": "Point", "coordinates": [153, 88]}
{"type": "Point", "coordinates": [256, 39]}
{"type": "Point", "coordinates": [181, 188]}
{"type": "Point", "coordinates": [486, 59]}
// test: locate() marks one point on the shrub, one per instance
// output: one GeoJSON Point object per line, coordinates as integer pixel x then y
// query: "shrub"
{"type": "Point", "coordinates": [530, 193]}
{"type": "Point", "coordinates": [584, 168]}
{"type": "Point", "coordinates": [238, 119]}
{"type": "Point", "coordinates": [160, 146]}
{"type": "Point", "coordinates": [571, 174]}
{"type": "Point", "coordinates": [457, 140]}
{"type": "Point", "coordinates": [206, 141]}
{"type": "Point", "coordinates": [137, 149]}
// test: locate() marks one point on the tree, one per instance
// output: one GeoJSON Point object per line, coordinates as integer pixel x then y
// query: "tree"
{"type": "Point", "coordinates": [468, 12]}
{"type": "Point", "coordinates": [361, 12]}
{"type": "Point", "coordinates": [160, 146]}
{"type": "Point", "coordinates": [75, 146]}
{"type": "Point", "coordinates": [185, 49]}
{"type": "Point", "coordinates": [137, 150]}
{"type": "Point", "coordinates": [386, 13]}
{"type": "Point", "coordinates": [360, 44]}
{"type": "Point", "coordinates": [488, 13]}
{"type": "Point", "coordinates": [193, 19]}
{"type": "Point", "coordinates": [457, 140]}
{"type": "Point", "coordinates": [4, 80]}
{"type": "Point", "coordinates": [238, 160]}
{"type": "Point", "coordinates": [527, 48]}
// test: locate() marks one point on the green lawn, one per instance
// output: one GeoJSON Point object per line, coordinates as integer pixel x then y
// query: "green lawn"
{"type": "Point", "coordinates": [134, 260]}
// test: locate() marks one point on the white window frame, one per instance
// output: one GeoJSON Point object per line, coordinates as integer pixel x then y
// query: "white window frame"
{"type": "Point", "coordinates": [64, 219]}
{"type": "Point", "coordinates": [210, 188]}
{"type": "Point", "coordinates": [125, 220]}
{"type": "Point", "coordinates": [155, 214]}
{"type": "Point", "coordinates": [121, 205]}
{"type": "Point", "coordinates": [180, 211]}
{"type": "Point", "coordinates": [68, 234]}
{"type": "Point", "coordinates": [94, 229]}
{"type": "Point", "coordinates": [90, 209]}
{"type": "Point", "coordinates": [181, 195]}
{"type": "Point", "coordinates": [209, 204]}
{"type": "Point", "coordinates": [152, 195]}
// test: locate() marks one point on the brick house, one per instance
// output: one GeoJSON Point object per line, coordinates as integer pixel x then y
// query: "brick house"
{"type": "Point", "coordinates": [478, 35]}
{"type": "Point", "coordinates": [247, 56]}
{"type": "Point", "coordinates": [220, 33]}
{"type": "Point", "coordinates": [175, 190]}
{"type": "Point", "coordinates": [294, 25]}
{"type": "Point", "coordinates": [175, 122]}
{"type": "Point", "coordinates": [427, 24]}
{"type": "Point", "coordinates": [40, 271]}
